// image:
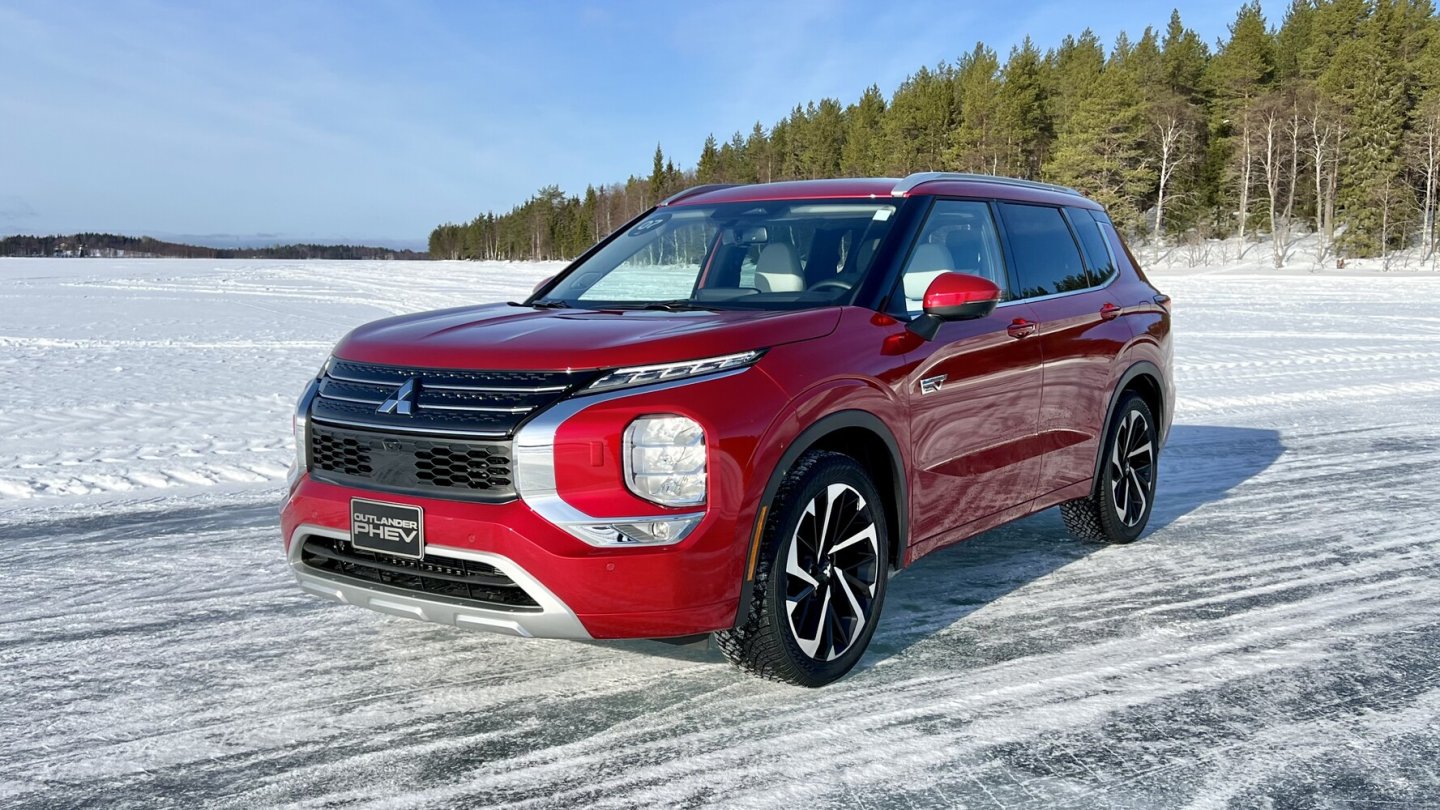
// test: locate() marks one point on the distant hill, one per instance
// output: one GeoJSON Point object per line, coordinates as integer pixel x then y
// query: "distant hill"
{"type": "Point", "coordinates": [109, 245]}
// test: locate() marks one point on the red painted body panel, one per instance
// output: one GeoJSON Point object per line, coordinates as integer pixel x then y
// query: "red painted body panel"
{"type": "Point", "coordinates": [1080, 348]}
{"type": "Point", "coordinates": [974, 439]}
{"type": "Point", "coordinates": [1014, 427]}
{"type": "Point", "coordinates": [498, 336]}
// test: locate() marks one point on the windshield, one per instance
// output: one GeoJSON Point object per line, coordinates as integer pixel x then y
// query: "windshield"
{"type": "Point", "coordinates": [786, 254]}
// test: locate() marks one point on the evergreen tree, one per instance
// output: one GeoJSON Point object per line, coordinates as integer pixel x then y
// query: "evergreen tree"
{"type": "Point", "coordinates": [708, 169]}
{"type": "Point", "coordinates": [757, 156]}
{"type": "Point", "coordinates": [1236, 77]}
{"type": "Point", "coordinates": [917, 125]}
{"type": "Point", "coordinates": [825, 141]}
{"type": "Point", "coordinates": [1075, 69]}
{"type": "Point", "coordinates": [1366, 80]}
{"type": "Point", "coordinates": [978, 143]}
{"type": "Point", "coordinates": [657, 177]}
{"type": "Point", "coordinates": [1025, 109]}
{"type": "Point", "coordinates": [1183, 58]}
{"type": "Point", "coordinates": [1101, 146]}
{"type": "Point", "coordinates": [861, 155]}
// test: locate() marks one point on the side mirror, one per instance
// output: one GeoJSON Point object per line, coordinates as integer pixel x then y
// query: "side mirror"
{"type": "Point", "coordinates": [542, 283]}
{"type": "Point", "coordinates": [955, 297]}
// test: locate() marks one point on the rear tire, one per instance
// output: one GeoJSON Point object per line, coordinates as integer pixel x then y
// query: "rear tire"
{"type": "Point", "coordinates": [820, 576]}
{"type": "Point", "coordinates": [1119, 507]}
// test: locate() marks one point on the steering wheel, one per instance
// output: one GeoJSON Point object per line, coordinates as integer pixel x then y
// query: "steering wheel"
{"type": "Point", "coordinates": [833, 284]}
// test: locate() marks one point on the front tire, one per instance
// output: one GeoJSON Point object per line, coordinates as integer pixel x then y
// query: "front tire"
{"type": "Point", "coordinates": [820, 577]}
{"type": "Point", "coordinates": [1119, 507]}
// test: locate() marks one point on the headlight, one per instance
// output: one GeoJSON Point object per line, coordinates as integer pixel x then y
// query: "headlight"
{"type": "Point", "coordinates": [664, 372]}
{"type": "Point", "coordinates": [665, 460]}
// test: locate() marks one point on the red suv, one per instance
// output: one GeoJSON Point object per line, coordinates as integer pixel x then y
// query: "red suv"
{"type": "Point", "coordinates": [739, 414]}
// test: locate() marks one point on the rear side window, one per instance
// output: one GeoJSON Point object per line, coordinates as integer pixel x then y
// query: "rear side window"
{"type": "Point", "coordinates": [1046, 258]}
{"type": "Point", "coordinates": [1092, 240]}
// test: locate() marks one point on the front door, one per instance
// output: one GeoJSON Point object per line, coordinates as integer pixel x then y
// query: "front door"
{"type": "Point", "coordinates": [974, 389]}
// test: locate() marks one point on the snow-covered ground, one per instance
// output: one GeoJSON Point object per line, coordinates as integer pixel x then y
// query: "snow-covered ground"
{"type": "Point", "coordinates": [1274, 639]}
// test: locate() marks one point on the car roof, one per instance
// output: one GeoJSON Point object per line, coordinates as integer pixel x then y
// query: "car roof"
{"type": "Point", "coordinates": [919, 184]}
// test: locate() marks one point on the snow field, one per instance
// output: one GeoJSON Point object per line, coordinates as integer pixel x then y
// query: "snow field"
{"type": "Point", "coordinates": [1272, 640]}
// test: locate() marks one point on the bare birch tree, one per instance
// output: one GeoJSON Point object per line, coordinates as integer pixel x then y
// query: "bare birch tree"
{"type": "Point", "coordinates": [1172, 124]}
{"type": "Point", "coordinates": [1425, 160]}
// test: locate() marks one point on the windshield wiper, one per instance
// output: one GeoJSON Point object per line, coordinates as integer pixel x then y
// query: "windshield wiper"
{"type": "Point", "coordinates": [678, 305]}
{"type": "Point", "coordinates": [550, 303]}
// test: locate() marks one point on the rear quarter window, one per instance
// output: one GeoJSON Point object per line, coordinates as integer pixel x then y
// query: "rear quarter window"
{"type": "Point", "coordinates": [1092, 240]}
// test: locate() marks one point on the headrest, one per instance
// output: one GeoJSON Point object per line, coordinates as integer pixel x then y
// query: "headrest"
{"type": "Point", "coordinates": [778, 269]}
{"type": "Point", "coordinates": [928, 261]}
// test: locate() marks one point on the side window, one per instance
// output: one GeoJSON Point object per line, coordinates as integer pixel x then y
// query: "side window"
{"type": "Point", "coordinates": [1046, 259]}
{"type": "Point", "coordinates": [959, 236]}
{"type": "Point", "coordinates": [1097, 253]}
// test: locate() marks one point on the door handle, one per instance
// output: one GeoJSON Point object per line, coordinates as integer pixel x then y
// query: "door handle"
{"type": "Point", "coordinates": [1109, 312]}
{"type": "Point", "coordinates": [1021, 328]}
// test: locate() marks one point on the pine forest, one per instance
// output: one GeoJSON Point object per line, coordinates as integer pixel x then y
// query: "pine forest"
{"type": "Point", "coordinates": [1327, 123]}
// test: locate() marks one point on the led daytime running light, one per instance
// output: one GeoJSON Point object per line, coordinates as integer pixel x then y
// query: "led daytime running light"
{"type": "Point", "coordinates": [664, 372]}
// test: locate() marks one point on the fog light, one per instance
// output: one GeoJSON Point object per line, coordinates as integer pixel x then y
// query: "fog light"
{"type": "Point", "coordinates": [665, 459]}
{"type": "Point", "coordinates": [636, 532]}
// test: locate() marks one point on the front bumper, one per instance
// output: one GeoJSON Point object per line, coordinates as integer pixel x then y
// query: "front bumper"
{"type": "Point", "coordinates": [553, 620]}
{"type": "Point", "coordinates": [583, 592]}
{"type": "Point", "coordinates": [688, 587]}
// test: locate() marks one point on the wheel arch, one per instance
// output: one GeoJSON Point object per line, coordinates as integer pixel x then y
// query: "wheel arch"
{"type": "Point", "coordinates": [864, 437]}
{"type": "Point", "coordinates": [1146, 379]}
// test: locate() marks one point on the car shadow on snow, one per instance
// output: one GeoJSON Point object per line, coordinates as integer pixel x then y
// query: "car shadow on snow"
{"type": "Point", "coordinates": [1200, 465]}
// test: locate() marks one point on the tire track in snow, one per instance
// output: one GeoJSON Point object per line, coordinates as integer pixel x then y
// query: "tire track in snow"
{"type": "Point", "coordinates": [1274, 635]}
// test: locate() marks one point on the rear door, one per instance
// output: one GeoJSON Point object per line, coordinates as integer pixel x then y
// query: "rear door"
{"type": "Point", "coordinates": [1065, 272]}
{"type": "Point", "coordinates": [974, 389]}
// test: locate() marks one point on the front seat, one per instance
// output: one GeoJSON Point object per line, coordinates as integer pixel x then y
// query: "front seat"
{"type": "Point", "coordinates": [778, 269]}
{"type": "Point", "coordinates": [928, 262]}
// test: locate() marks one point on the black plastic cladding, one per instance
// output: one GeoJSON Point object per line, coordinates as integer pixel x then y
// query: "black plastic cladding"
{"type": "Point", "coordinates": [438, 467]}
{"type": "Point", "coordinates": [455, 579]}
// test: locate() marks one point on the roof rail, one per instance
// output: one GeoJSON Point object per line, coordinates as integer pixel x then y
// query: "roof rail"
{"type": "Point", "coordinates": [920, 178]}
{"type": "Point", "coordinates": [693, 190]}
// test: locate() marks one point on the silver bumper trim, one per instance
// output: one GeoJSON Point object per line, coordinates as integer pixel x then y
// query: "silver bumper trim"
{"type": "Point", "coordinates": [553, 620]}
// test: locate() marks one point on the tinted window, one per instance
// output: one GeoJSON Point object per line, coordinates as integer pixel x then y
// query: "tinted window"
{"type": "Point", "coordinates": [1097, 253]}
{"type": "Point", "coordinates": [1046, 259]}
{"type": "Point", "coordinates": [958, 236]}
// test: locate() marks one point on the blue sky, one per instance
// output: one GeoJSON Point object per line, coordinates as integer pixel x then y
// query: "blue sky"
{"type": "Point", "coordinates": [374, 121]}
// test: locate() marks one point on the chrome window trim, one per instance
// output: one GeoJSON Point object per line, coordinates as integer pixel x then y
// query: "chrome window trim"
{"type": "Point", "coordinates": [1051, 296]}
{"type": "Point", "coordinates": [555, 619]}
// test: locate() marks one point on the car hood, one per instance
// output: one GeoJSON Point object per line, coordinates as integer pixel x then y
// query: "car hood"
{"type": "Point", "coordinates": [501, 336]}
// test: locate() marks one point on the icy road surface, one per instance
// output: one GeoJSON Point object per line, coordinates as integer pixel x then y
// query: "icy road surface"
{"type": "Point", "coordinates": [1274, 638]}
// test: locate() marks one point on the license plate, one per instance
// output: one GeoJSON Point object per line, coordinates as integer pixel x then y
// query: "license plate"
{"type": "Point", "coordinates": [387, 528]}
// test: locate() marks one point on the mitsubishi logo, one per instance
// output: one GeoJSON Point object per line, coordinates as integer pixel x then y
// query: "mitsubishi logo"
{"type": "Point", "coordinates": [402, 401]}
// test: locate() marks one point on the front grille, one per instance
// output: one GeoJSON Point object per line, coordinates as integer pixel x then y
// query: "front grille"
{"type": "Point", "coordinates": [438, 401]}
{"type": "Point", "coordinates": [446, 577]}
{"type": "Point", "coordinates": [346, 455]}
{"type": "Point", "coordinates": [467, 469]}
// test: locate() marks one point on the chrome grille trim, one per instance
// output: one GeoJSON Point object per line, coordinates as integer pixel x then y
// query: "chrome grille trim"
{"type": "Point", "coordinates": [444, 402]}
